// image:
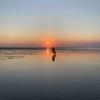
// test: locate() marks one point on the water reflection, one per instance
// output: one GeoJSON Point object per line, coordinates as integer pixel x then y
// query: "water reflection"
{"type": "Point", "coordinates": [47, 51]}
{"type": "Point", "coordinates": [74, 75]}
{"type": "Point", "coordinates": [53, 53]}
{"type": "Point", "coordinates": [53, 57]}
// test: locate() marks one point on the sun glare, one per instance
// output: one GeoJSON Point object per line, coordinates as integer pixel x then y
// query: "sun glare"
{"type": "Point", "coordinates": [48, 43]}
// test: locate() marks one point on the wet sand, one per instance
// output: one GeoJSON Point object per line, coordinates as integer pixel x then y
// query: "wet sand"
{"type": "Point", "coordinates": [33, 75]}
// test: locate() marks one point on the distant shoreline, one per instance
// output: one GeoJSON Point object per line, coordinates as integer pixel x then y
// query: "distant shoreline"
{"type": "Point", "coordinates": [36, 48]}
{"type": "Point", "coordinates": [41, 48]}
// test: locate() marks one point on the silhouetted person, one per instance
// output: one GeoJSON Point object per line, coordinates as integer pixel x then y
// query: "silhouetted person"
{"type": "Point", "coordinates": [54, 54]}
{"type": "Point", "coordinates": [53, 50]}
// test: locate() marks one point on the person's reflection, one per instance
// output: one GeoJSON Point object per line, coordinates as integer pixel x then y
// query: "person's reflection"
{"type": "Point", "coordinates": [54, 54]}
{"type": "Point", "coordinates": [53, 57]}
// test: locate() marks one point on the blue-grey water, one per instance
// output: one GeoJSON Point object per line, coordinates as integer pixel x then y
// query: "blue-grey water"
{"type": "Point", "coordinates": [41, 75]}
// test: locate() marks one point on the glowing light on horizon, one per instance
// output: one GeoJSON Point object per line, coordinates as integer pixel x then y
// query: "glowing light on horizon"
{"type": "Point", "coordinates": [48, 43]}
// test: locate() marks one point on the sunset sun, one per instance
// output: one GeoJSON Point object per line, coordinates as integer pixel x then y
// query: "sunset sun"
{"type": "Point", "coordinates": [47, 42]}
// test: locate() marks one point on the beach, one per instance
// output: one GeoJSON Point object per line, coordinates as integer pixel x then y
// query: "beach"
{"type": "Point", "coordinates": [39, 75]}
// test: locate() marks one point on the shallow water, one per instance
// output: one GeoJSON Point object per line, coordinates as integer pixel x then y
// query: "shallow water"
{"type": "Point", "coordinates": [41, 75]}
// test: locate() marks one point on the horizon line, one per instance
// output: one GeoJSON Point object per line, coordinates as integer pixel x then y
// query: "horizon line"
{"type": "Point", "coordinates": [57, 48]}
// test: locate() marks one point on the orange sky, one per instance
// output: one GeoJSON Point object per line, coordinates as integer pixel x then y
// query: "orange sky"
{"type": "Point", "coordinates": [62, 22]}
{"type": "Point", "coordinates": [53, 41]}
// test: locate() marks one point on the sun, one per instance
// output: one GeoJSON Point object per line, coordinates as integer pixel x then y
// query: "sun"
{"type": "Point", "coordinates": [47, 42]}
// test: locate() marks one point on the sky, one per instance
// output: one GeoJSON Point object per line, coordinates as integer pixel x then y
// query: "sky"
{"type": "Point", "coordinates": [73, 23]}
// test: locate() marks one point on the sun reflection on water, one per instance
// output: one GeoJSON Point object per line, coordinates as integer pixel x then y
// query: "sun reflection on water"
{"type": "Point", "coordinates": [47, 51]}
